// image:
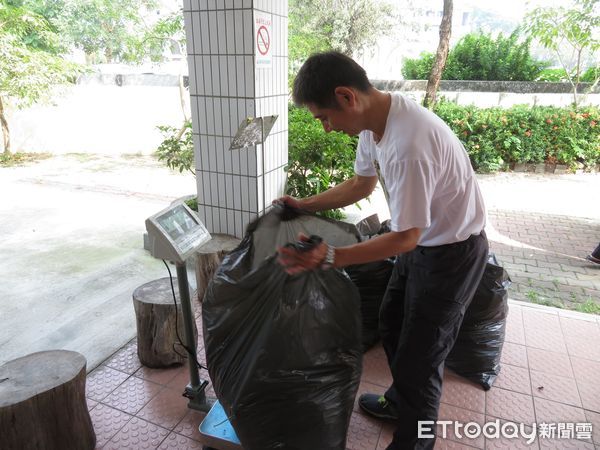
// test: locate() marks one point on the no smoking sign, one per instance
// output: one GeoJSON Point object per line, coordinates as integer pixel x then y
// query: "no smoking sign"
{"type": "Point", "coordinates": [263, 39]}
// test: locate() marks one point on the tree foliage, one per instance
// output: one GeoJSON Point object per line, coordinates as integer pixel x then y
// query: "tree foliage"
{"type": "Point", "coordinates": [564, 30]}
{"type": "Point", "coordinates": [347, 27]}
{"type": "Point", "coordinates": [317, 160]}
{"type": "Point", "coordinates": [106, 30]}
{"type": "Point", "coordinates": [479, 56]}
{"type": "Point", "coordinates": [30, 60]}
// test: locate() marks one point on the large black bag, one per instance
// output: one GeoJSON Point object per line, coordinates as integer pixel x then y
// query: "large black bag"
{"type": "Point", "coordinates": [477, 350]}
{"type": "Point", "coordinates": [371, 279]}
{"type": "Point", "coordinates": [284, 352]}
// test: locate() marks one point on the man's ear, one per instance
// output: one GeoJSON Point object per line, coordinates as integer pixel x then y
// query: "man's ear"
{"type": "Point", "coordinates": [345, 96]}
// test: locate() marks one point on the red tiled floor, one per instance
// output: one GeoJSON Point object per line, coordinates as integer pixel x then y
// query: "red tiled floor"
{"type": "Point", "coordinates": [102, 381]}
{"type": "Point", "coordinates": [585, 370]}
{"type": "Point", "coordinates": [385, 437]}
{"type": "Point", "coordinates": [178, 442]}
{"type": "Point", "coordinates": [160, 376]}
{"type": "Point", "coordinates": [514, 326]}
{"type": "Point", "coordinates": [462, 393]}
{"type": "Point", "coordinates": [107, 422]}
{"type": "Point", "coordinates": [581, 329]}
{"type": "Point", "coordinates": [553, 412]}
{"type": "Point", "coordinates": [464, 416]}
{"type": "Point", "coordinates": [514, 354]}
{"type": "Point", "coordinates": [137, 434]}
{"type": "Point", "coordinates": [132, 395]}
{"type": "Point", "coordinates": [583, 347]}
{"type": "Point", "coordinates": [590, 395]}
{"type": "Point", "coordinates": [565, 444]}
{"type": "Point", "coordinates": [166, 409]}
{"type": "Point", "coordinates": [188, 426]}
{"type": "Point", "coordinates": [546, 361]}
{"type": "Point", "coordinates": [363, 433]}
{"type": "Point", "coordinates": [134, 407]}
{"type": "Point", "coordinates": [594, 419]}
{"type": "Point", "coordinates": [126, 360]}
{"type": "Point", "coordinates": [509, 405]}
{"type": "Point", "coordinates": [554, 387]}
{"type": "Point", "coordinates": [514, 378]}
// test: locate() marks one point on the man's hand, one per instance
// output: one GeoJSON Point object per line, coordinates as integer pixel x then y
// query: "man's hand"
{"type": "Point", "coordinates": [289, 201]}
{"type": "Point", "coordinates": [295, 261]}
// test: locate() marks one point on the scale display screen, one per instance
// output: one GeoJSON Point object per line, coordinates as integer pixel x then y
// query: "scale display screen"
{"type": "Point", "coordinates": [176, 222]}
{"type": "Point", "coordinates": [175, 233]}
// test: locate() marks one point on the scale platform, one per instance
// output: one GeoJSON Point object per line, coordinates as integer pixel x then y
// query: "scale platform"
{"type": "Point", "coordinates": [217, 432]}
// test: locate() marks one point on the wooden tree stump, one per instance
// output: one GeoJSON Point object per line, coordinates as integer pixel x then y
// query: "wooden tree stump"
{"type": "Point", "coordinates": [155, 320]}
{"type": "Point", "coordinates": [42, 403]}
{"type": "Point", "coordinates": [209, 258]}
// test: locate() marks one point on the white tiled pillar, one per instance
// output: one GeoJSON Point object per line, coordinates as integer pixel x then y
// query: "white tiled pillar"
{"type": "Point", "coordinates": [226, 87]}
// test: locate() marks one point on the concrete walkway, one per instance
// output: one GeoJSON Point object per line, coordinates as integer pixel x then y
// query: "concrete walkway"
{"type": "Point", "coordinates": [71, 242]}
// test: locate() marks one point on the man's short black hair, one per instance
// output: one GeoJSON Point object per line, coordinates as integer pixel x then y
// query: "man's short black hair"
{"type": "Point", "coordinates": [321, 73]}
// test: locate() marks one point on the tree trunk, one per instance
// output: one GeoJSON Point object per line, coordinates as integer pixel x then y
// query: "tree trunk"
{"type": "Point", "coordinates": [208, 259]}
{"type": "Point", "coordinates": [158, 342]}
{"type": "Point", "coordinates": [5, 131]}
{"type": "Point", "coordinates": [182, 99]}
{"type": "Point", "coordinates": [440, 57]}
{"type": "Point", "coordinates": [42, 403]}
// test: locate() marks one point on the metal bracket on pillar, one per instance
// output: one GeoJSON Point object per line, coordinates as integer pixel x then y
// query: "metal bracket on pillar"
{"type": "Point", "coordinates": [254, 131]}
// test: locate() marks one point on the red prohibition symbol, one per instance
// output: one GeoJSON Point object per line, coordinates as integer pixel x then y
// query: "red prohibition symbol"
{"type": "Point", "coordinates": [263, 41]}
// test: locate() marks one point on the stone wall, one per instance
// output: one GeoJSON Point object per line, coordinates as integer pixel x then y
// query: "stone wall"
{"type": "Point", "coordinates": [505, 94]}
{"type": "Point", "coordinates": [118, 113]}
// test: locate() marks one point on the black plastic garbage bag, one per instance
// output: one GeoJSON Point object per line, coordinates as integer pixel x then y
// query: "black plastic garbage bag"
{"type": "Point", "coordinates": [284, 352]}
{"type": "Point", "coordinates": [476, 353]}
{"type": "Point", "coordinates": [371, 279]}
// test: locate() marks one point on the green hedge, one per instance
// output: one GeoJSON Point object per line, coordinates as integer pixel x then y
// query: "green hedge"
{"type": "Point", "coordinates": [524, 134]}
{"type": "Point", "coordinates": [493, 137]}
{"type": "Point", "coordinates": [317, 160]}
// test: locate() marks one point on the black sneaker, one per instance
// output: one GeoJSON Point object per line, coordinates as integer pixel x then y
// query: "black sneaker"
{"type": "Point", "coordinates": [593, 259]}
{"type": "Point", "coordinates": [377, 406]}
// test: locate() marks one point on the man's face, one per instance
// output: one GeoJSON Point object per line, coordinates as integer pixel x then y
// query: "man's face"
{"type": "Point", "coordinates": [335, 119]}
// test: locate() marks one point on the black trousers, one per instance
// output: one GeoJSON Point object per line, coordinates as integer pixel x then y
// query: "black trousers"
{"type": "Point", "coordinates": [421, 313]}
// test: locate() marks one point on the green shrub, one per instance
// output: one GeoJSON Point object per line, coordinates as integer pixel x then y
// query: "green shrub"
{"type": "Point", "coordinates": [556, 75]}
{"type": "Point", "coordinates": [591, 75]}
{"type": "Point", "coordinates": [553, 75]}
{"type": "Point", "coordinates": [317, 160]}
{"type": "Point", "coordinates": [478, 56]}
{"type": "Point", "coordinates": [495, 137]}
{"type": "Point", "coordinates": [177, 148]}
{"type": "Point", "coordinates": [418, 68]}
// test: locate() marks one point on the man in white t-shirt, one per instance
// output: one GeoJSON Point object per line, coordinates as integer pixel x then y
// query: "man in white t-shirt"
{"type": "Point", "coordinates": [437, 222]}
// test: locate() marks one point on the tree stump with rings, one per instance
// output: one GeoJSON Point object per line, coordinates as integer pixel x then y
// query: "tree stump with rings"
{"type": "Point", "coordinates": [42, 402]}
{"type": "Point", "coordinates": [158, 343]}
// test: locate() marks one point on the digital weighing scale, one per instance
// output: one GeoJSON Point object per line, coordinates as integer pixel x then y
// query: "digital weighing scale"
{"type": "Point", "coordinates": [175, 234]}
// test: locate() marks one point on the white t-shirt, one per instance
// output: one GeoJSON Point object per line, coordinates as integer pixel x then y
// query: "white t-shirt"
{"type": "Point", "coordinates": [427, 174]}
